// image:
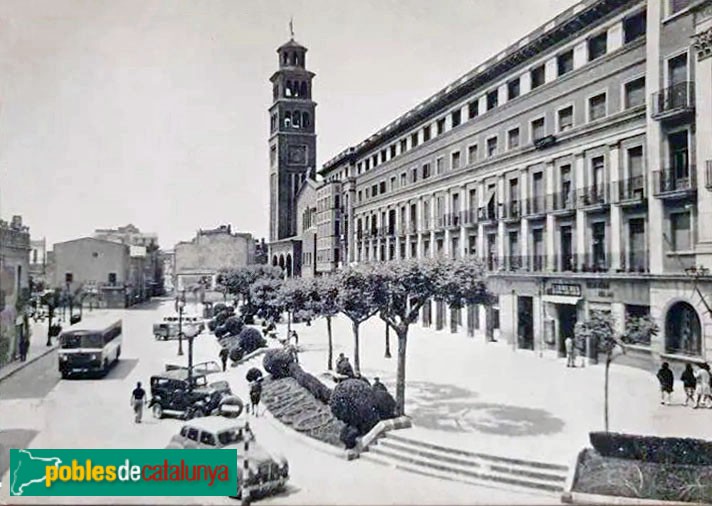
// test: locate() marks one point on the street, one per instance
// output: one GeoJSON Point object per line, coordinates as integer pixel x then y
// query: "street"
{"type": "Point", "coordinates": [39, 410]}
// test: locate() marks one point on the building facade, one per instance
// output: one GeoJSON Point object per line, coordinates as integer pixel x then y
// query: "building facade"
{"type": "Point", "coordinates": [14, 283]}
{"type": "Point", "coordinates": [200, 260]}
{"type": "Point", "coordinates": [167, 259]}
{"type": "Point", "coordinates": [292, 152]}
{"type": "Point", "coordinates": [569, 164]}
{"type": "Point", "coordinates": [95, 266]}
{"type": "Point", "coordinates": [38, 262]}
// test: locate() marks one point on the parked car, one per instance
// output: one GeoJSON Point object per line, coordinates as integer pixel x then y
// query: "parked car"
{"type": "Point", "coordinates": [173, 394]}
{"type": "Point", "coordinates": [169, 327]}
{"type": "Point", "coordinates": [259, 472]}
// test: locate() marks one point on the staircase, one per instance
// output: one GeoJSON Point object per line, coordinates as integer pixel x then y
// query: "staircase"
{"type": "Point", "coordinates": [468, 467]}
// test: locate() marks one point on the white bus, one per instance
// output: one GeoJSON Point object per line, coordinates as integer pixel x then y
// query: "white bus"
{"type": "Point", "coordinates": [90, 347]}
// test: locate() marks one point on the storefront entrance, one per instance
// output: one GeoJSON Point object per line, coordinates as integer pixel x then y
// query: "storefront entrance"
{"type": "Point", "coordinates": [525, 323]}
{"type": "Point", "coordinates": [567, 322]}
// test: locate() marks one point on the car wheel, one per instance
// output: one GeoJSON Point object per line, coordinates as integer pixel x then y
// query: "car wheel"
{"type": "Point", "coordinates": [157, 411]}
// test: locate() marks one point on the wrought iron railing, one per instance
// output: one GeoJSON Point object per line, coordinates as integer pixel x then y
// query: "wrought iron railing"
{"type": "Point", "coordinates": [678, 97]}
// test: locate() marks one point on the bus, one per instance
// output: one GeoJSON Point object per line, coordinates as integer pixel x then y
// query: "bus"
{"type": "Point", "coordinates": [91, 347]}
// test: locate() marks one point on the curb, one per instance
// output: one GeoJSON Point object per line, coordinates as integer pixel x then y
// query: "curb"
{"type": "Point", "coordinates": [309, 441]}
{"type": "Point", "coordinates": [5, 375]}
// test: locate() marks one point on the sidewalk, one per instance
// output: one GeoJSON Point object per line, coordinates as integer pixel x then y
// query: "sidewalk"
{"type": "Point", "coordinates": [486, 397]}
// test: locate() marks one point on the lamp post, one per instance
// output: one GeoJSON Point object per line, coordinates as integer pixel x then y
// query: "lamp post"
{"type": "Point", "coordinates": [180, 304]}
{"type": "Point", "coordinates": [190, 332]}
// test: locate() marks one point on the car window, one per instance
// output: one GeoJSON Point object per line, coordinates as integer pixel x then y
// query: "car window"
{"type": "Point", "coordinates": [207, 438]}
{"type": "Point", "coordinates": [200, 381]}
{"type": "Point", "coordinates": [184, 431]}
{"type": "Point", "coordinates": [193, 434]}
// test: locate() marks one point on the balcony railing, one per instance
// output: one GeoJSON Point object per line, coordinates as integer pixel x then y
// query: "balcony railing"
{"type": "Point", "coordinates": [536, 205]}
{"type": "Point", "coordinates": [596, 262]}
{"type": "Point", "coordinates": [413, 227]}
{"type": "Point", "coordinates": [680, 180]}
{"type": "Point", "coordinates": [676, 99]}
{"type": "Point", "coordinates": [426, 225]}
{"type": "Point", "coordinates": [512, 210]}
{"type": "Point", "coordinates": [453, 220]}
{"type": "Point", "coordinates": [563, 201]}
{"type": "Point", "coordinates": [566, 262]}
{"type": "Point", "coordinates": [514, 263]}
{"type": "Point", "coordinates": [634, 261]}
{"type": "Point", "coordinates": [469, 217]}
{"type": "Point", "coordinates": [632, 188]}
{"type": "Point", "coordinates": [487, 213]}
{"type": "Point", "coordinates": [593, 195]}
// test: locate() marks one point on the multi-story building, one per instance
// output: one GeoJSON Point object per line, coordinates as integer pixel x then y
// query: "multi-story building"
{"type": "Point", "coordinates": [14, 283]}
{"type": "Point", "coordinates": [198, 262]}
{"type": "Point", "coordinates": [569, 163]}
{"type": "Point", "coordinates": [292, 153]}
{"type": "Point", "coordinates": [167, 259]}
{"type": "Point", "coordinates": [38, 262]}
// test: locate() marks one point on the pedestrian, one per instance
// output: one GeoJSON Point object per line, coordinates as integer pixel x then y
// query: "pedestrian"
{"type": "Point", "coordinates": [343, 367]}
{"type": "Point", "coordinates": [138, 399]}
{"type": "Point", "coordinates": [377, 385]}
{"type": "Point", "coordinates": [569, 344]}
{"type": "Point", "coordinates": [24, 346]}
{"type": "Point", "coordinates": [255, 395]}
{"type": "Point", "coordinates": [224, 354]}
{"type": "Point", "coordinates": [294, 337]}
{"type": "Point", "coordinates": [702, 387]}
{"type": "Point", "coordinates": [689, 382]}
{"type": "Point", "coordinates": [666, 380]}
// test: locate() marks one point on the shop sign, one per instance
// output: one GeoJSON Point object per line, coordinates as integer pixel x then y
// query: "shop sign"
{"type": "Point", "coordinates": [600, 288]}
{"type": "Point", "coordinates": [565, 289]}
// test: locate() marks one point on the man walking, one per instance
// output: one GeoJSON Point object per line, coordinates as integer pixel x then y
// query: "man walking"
{"type": "Point", "coordinates": [666, 380]}
{"type": "Point", "coordinates": [255, 395]}
{"type": "Point", "coordinates": [138, 399]}
{"type": "Point", "coordinates": [224, 354]}
{"type": "Point", "coordinates": [689, 382]}
{"type": "Point", "coordinates": [569, 344]}
{"type": "Point", "coordinates": [24, 346]}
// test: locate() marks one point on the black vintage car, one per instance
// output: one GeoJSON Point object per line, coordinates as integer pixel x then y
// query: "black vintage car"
{"type": "Point", "coordinates": [173, 394]}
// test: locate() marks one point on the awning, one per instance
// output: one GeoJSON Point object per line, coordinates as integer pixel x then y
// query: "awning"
{"type": "Point", "coordinates": [561, 299]}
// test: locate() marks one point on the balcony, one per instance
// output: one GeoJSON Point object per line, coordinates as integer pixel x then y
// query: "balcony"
{"type": "Point", "coordinates": [536, 205]}
{"type": "Point", "coordinates": [512, 210]}
{"type": "Point", "coordinates": [413, 227]}
{"type": "Point", "coordinates": [487, 214]}
{"type": "Point", "coordinates": [631, 191]}
{"type": "Point", "coordinates": [674, 102]}
{"type": "Point", "coordinates": [634, 261]}
{"type": "Point", "coordinates": [593, 196]}
{"type": "Point", "coordinates": [492, 263]}
{"type": "Point", "coordinates": [566, 263]}
{"type": "Point", "coordinates": [563, 202]}
{"type": "Point", "coordinates": [402, 229]}
{"type": "Point", "coordinates": [469, 217]}
{"type": "Point", "coordinates": [427, 227]}
{"type": "Point", "coordinates": [453, 220]}
{"type": "Point", "coordinates": [596, 262]}
{"type": "Point", "coordinates": [678, 183]}
{"type": "Point", "coordinates": [514, 263]}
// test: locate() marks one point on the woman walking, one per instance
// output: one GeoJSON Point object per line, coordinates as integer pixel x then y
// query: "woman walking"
{"type": "Point", "coordinates": [702, 388]}
{"type": "Point", "coordinates": [689, 382]}
{"type": "Point", "coordinates": [255, 395]}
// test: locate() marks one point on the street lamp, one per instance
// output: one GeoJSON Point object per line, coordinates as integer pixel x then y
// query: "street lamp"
{"type": "Point", "coordinates": [190, 332]}
{"type": "Point", "coordinates": [180, 304]}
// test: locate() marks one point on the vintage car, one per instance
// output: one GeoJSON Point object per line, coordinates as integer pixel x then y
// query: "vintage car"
{"type": "Point", "coordinates": [169, 327]}
{"type": "Point", "coordinates": [258, 472]}
{"type": "Point", "coordinates": [173, 393]}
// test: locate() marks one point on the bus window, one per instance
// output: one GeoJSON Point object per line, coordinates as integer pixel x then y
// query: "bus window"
{"type": "Point", "coordinates": [92, 341]}
{"type": "Point", "coordinates": [70, 341]}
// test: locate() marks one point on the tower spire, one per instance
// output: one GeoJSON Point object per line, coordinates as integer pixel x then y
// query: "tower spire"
{"type": "Point", "coordinates": [291, 27]}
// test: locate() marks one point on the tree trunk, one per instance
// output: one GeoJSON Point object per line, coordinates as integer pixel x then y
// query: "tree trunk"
{"type": "Point", "coordinates": [357, 362]}
{"type": "Point", "coordinates": [289, 323]}
{"type": "Point", "coordinates": [402, 334]}
{"type": "Point", "coordinates": [388, 341]}
{"type": "Point", "coordinates": [331, 344]}
{"type": "Point", "coordinates": [605, 392]}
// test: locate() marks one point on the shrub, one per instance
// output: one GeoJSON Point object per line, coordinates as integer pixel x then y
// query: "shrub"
{"type": "Point", "coordinates": [660, 450]}
{"type": "Point", "coordinates": [230, 310]}
{"type": "Point", "coordinates": [212, 325]}
{"type": "Point", "coordinates": [221, 331]}
{"type": "Point", "coordinates": [220, 318]}
{"type": "Point", "coordinates": [276, 362]}
{"type": "Point", "coordinates": [311, 383]}
{"type": "Point", "coordinates": [349, 436]}
{"type": "Point", "coordinates": [353, 402]}
{"type": "Point", "coordinates": [236, 353]}
{"type": "Point", "coordinates": [251, 339]}
{"type": "Point", "coordinates": [234, 325]}
{"type": "Point", "coordinates": [218, 308]}
{"type": "Point", "coordinates": [253, 374]}
{"type": "Point", "coordinates": [385, 404]}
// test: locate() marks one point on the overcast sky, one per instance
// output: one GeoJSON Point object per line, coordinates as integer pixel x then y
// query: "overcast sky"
{"type": "Point", "coordinates": [155, 112]}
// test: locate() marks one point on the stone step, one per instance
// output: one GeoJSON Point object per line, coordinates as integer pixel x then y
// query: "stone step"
{"type": "Point", "coordinates": [468, 467]}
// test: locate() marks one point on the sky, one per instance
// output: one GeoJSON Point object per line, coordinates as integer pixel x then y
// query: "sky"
{"type": "Point", "coordinates": [155, 112]}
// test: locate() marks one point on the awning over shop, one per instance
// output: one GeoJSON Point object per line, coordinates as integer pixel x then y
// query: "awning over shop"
{"type": "Point", "coordinates": [561, 299]}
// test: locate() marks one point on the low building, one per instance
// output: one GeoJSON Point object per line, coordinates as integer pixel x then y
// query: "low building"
{"type": "Point", "coordinates": [200, 260]}
{"type": "Point", "coordinates": [95, 265]}
{"type": "Point", "coordinates": [14, 283]}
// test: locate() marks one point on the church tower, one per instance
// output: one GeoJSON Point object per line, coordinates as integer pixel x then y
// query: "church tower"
{"type": "Point", "coordinates": [292, 141]}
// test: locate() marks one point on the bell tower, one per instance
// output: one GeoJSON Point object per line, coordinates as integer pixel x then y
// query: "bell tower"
{"type": "Point", "coordinates": [292, 141]}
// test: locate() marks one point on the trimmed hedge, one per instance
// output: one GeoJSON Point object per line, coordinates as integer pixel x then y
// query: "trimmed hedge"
{"type": "Point", "coordinates": [253, 374]}
{"type": "Point", "coordinates": [353, 402]}
{"type": "Point", "coordinates": [311, 383]}
{"type": "Point", "coordinates": [236, 353]}
{"type": "Point", "coordinates": [276, 362]}
{"type": "Point", "coordinates": [385, 404]}
{"type": "Point", "coordinates": [212, 325]}
{"type": "Point", "coordinates": [251, 339]}
{"type": "Point", "coordinates": [220, 318]}
{"type": "Point", "coordinates": [234, 325]}
{"type": "Point", "coordinates": [218, 308]}
{"type": "Point", "coordinates": [221, 331]}
{"type": "Point", "coordinates": [349, 436]}
{"type": "Point", "coordinates": [659, 450]}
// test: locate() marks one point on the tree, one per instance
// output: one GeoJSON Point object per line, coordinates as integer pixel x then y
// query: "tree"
{"type": "Point", "coordinates": [292, 297]}
{"type": "Point", "coordinates": [238, 282]}
{"type": "Point", "coordinates": [322, 300]}
{"type": "Point", "coordinates": [264, 297]}
{"type": "Point", "coordinates": [356, 299]}
{"type": "Point", "coordinates": [403, 287]}
{"type": "Point", "coordinates": [52, 300]}
{"type": "Point", "coordinates": [598, 331]}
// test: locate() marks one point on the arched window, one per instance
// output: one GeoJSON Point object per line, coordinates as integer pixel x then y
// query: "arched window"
{"type": "Point", "coordinates": [274, 261]}
{"type": "Point", "coordinates": [683, 333]}
{"type": "Point", "coordinates": [285, 58]}
{"type": "Point", "coordinates": [296, 119]}
{"type": "Point", "coordinates": [289, 265]}
{"type": "Point", "coordinates": [288, 89]}
{"type": "Point", "coordinates": [306, 121]}
{"type": "Point", "coordinates": [294, 59]}
{"type": "Point", "coordinates": [281, 262]}
{"type": "Point", "coordinates": [287, 119]}
{"type": "Point", "coordinates": [303, 89]}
